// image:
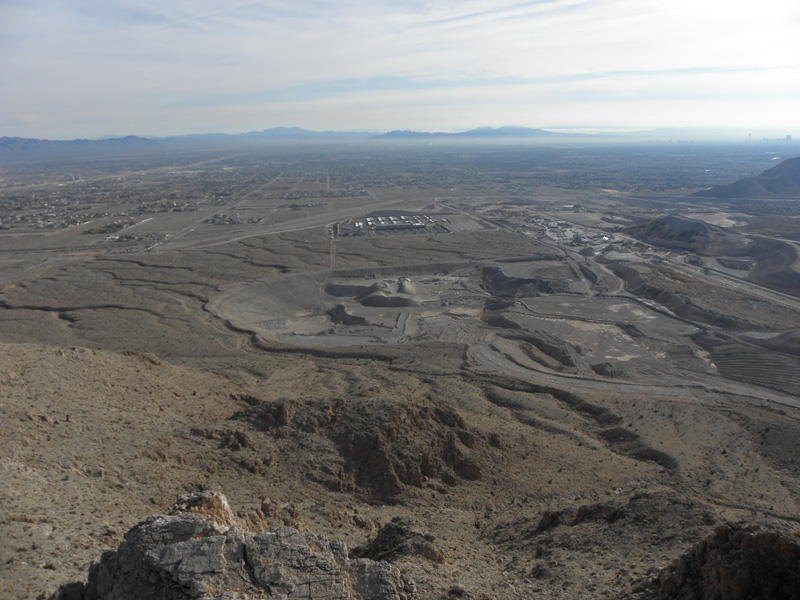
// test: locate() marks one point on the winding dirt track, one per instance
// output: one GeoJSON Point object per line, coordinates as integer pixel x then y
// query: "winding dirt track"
{"type": "Point", "coordinates": [483, 358]}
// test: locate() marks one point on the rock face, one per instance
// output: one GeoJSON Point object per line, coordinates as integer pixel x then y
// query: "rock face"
{"type": "Point", "coordinates": [194, 553]}
{"type": "Point", "coordinates": [382, 446]}
{"type": "Point", "coordinates": [397, 539]}
{"type": "Point", "coordinates": [735, 564]}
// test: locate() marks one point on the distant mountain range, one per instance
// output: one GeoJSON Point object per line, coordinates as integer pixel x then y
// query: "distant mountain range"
{"type": "Point", "coordinates": [484, 133]}
{"type": "Point", "coordinates": [17, 148]}
{"type": "Point", "coordinates": [274, 133]}
{"type": "Point", "coordinates": [781, 181]}
{"type": "Point", "coordinates": [282, 133]}
{"type": "Point", "coordinates": [31, 144]}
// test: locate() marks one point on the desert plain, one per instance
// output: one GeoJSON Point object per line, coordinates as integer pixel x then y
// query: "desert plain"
{"type": "Point", "coordinates": [557, 364]}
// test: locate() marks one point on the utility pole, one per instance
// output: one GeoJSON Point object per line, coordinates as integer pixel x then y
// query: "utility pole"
{"type": "Point", "coordinates": [332, 233]}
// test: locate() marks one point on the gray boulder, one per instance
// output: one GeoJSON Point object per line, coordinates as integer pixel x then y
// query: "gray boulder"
{"type": "Point", "coordinates": [198, 553]}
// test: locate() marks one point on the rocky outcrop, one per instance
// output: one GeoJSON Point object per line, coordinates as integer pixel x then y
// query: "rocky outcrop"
{"type": "Point", "coordinates": [383, 447]}
{"type": "Point", "coordinates": [398, 539]}
{"type": "Point", "coordinates": [197, 552]}
{"type": "Point", "coordinates": [734, 563]}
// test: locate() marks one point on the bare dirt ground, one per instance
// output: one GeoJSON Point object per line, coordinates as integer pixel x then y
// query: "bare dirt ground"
{"type": "Point", "coordinates": [95, 440]}
{"type": "Point", "coordinates": [563, 426]}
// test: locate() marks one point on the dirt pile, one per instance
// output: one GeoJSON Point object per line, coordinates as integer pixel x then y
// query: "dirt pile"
{"type": "Point", "coordinates": [383, 299]}
{"type": "Point", "coordinates": [192, 553]}
{"type": "Point", "coordinates": [379, 294]}
{"type": "Point", "coordinates": [608, 369]}
{"type": "Point", "coordinates": [340, 316]}
{"type": "Point", "coordinates": [683, 233]}
{"type": "Point", "coordinates": [499, 284]}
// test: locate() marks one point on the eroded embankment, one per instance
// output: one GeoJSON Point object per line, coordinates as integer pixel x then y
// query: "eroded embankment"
{"type": "Point", "coordinates": [774, 266]}
{"type": "Point", "coordinates": [606, 424]}
{"type": "Point", "coordinates": [636, 284]}
{"type": "Point", "coordinates": [749, 363]}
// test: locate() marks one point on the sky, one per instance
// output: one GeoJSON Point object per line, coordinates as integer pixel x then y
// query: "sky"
{"type": "Point", "coordinates": [88, 68]}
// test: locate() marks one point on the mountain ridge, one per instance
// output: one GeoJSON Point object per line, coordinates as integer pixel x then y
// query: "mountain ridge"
{"type": "Point", "coordinates": [780, 181]}
{"type": "Point", "coordinates": [299, 133]}
{"type": "Point", "coordinates": [506, 131]}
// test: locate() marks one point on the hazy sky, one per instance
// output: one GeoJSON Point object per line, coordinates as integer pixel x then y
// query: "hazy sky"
{"type": "Point", "coordinates": [84, 68]}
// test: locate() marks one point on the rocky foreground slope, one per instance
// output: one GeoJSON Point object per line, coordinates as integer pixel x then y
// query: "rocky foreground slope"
{"type": "Point", "coordinates": [473, 486]}
{"type": "Point", "coordinates": [199, 551]}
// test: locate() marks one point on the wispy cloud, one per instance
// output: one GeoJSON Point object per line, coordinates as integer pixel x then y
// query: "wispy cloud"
{"type": "Point", "coordinates": [278, 62]}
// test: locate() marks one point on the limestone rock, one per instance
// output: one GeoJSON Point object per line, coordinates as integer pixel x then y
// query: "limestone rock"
{"type": "Point", "coordinates": [292, 565]}
{"type": "Point", "coordinates": [376, 580]}
{"type": "Point", "coordinates": [397, 539]}
{"type": "Point", "coordinates": [197, 553]}
{"type": "Point", "coordinates": [210, 504]}
{"type": "Point", "coordinates": [171, 557]}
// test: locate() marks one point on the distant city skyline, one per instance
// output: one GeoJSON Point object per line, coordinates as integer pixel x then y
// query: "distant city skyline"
{"type": "Point", "coordinates": [86, 69]}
